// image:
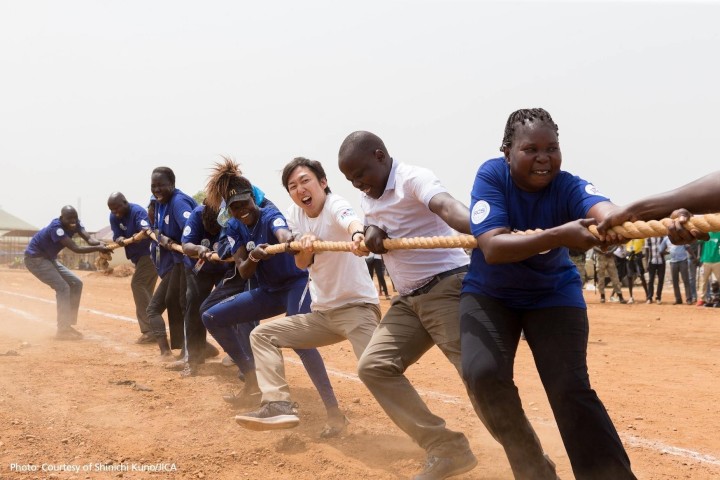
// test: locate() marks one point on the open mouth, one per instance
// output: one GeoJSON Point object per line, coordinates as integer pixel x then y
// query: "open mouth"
{"type": "Point", "coordinates": [366, 190]}
{"type": "Point", "coordinates": [306, 200]}
{"type": "Point", "coordinates": [541, 172]}
{"type": "Point", "coordinates": [245, 215]}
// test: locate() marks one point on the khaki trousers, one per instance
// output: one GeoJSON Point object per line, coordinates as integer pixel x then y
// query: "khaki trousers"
{"type": "Point", "coordinates": [355, 322]}
{"type": "Point", "coordinates": [410, 328]}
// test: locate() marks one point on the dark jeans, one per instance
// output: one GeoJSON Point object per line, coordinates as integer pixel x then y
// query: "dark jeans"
{"type": "Point", "coordinates": [377, 267]}
{"type": "Point", "coordinates": [170, 296]}
{"type": "Point", "coordinates": [231, 285]}
{"type": "Point", "coordinates": [142, 286]}
{"type": "Point", "coordinates": [659, 270]}
{"type": "Point", "coordinates": [557, 337]}
{"type": "Point", "coordinates": [67, 286]}
{"type": "Point", "coordinates": [199, 286]}
{"type": "Point", "coordinates": [677, 270]}
{"type": "Point", "coordinates": [259, 304]}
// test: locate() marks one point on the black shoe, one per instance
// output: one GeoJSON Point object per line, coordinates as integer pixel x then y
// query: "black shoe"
{"type": "Point", "coordinates": [68, 333]}
{"type": "Point", "coordinates": [271, 416]}
{"type": "Point", "coordinates": [438, 468]}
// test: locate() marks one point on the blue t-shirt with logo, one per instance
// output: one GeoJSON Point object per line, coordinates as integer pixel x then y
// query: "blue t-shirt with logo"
{"type": "Point", "coordinates": [195, 233]}
{"type": "Point", "coordinates": [277, 271]}
{"type": "Point", "coordinates": [170, 218]}
{"type": "Point", "coordinates": [548, 279]}
{"type": "Point", "coordinates": [46, 242]}
{"type": "Point", "coordinates": [134, 221]}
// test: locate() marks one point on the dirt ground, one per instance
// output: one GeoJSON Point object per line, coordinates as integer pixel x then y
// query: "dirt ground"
{"type": "Point", "coordinates": [106, 407]}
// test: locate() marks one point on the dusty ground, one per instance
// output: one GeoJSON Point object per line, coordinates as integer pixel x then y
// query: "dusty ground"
{"type": "Point", "coordinates": [656, 367]}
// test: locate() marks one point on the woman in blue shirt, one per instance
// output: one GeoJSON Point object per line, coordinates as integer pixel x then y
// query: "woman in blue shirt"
{"type": "Point", "coordinates": [528, 283]}
{"type": "Point", "coordinates": [282, 287]}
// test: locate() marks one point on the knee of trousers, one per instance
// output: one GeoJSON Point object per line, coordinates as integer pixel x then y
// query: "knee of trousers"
{"type": "Point", "coordinates": [373, 368]}
{"type": "Point", "coordinates": [482, 378]}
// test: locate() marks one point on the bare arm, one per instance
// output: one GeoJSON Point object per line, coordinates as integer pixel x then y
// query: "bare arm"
{"type": "Point", "coordinates": [68, 243]}
{"type": "Point", "coordinates": [699, 196]}
{"type": "Point", "coordinates": [499, 246]}
{"type": "Point", "coordinates": [452, 211]}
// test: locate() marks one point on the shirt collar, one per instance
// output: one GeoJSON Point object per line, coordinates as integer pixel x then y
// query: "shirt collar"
{"type": "Point", "coordinates": [391, 178]}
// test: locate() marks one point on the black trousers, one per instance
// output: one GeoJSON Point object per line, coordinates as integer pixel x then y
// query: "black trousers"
{"type": "Point", "coordinates": [557, 337]}
{"type": "Point", "coordinates": [653, 270]}
{"type": "Point", "coordinates": [170, 295]}
{"type": "Point", "coordinates": [377, 267]}
{"type": "Point", "coordinates": [199, 286]}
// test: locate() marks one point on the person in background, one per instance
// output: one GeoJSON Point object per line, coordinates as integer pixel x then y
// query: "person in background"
{"type": "Point", "coordinates": [655, 250]}
{"type": "Point", "coordinates": [679, 268]}
{"type": "Point", "coordinates": [41, 260]}
{"type": "Point", "coordinates": [127, 219]}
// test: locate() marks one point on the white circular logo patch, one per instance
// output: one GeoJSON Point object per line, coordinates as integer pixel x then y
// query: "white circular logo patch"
{"type": "Point", "coordinates": [60, 232]}
{"type": "Point", "coordinates": [187, 230]}
{"type": "Point", "coordinates": [480, 212]}
{"type": "Point", "coordinates": [122, 227]}
{"type": "Point", "coordinates": [186, 215]}
{"type": "Point", "coordinates": [167, 219]}
{"type": "Point", "coordinates": [144, 223]}
{"type": "Point", "coordinates": [279, 222]}
{"type": "Point", "coordinates": [591, 189]}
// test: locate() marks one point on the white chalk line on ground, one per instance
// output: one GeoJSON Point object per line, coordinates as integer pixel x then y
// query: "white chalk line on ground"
{"type": "Point", "coordinates": [631, 440]}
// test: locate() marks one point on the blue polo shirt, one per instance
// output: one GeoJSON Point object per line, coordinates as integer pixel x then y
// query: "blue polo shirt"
{"type": "Point", "coordinates": [134, 221]}
{"type": "Point", "coordinates": [170, 218]}
{"type": "Point", "coordinates": [277, 271]}
{"type": "Point", "coordinates": [195, 233]}
{"type": "Point", "coordinates": [46, 242]}
{"type": "Point", "coordinates": [548, 279]}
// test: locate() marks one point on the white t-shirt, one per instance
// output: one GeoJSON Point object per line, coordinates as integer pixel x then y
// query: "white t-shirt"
{"type": "Point", "coordinates": [337, 278]}
{"type": "Point", "coordinates": [402, 211]}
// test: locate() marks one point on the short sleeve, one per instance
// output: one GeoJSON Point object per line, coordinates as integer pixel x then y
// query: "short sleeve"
{"type": "Point", "coordinates": [423, 184]}
{"type": "Point", "coordinates": [342, 212]}
{"type": "Point", "coordinates": [488, 209]}
{"type": "Point", "coordinates": [194, 229]}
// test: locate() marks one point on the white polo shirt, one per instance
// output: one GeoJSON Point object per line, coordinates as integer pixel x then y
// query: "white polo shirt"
{"type": "Point", "coordinates": [402, 211]}
{"type": "Point", "coordinates": [337, 278]}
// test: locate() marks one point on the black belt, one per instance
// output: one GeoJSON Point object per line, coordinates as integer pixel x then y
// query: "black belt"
{"type": "Point", "coordinates": [435, 280]}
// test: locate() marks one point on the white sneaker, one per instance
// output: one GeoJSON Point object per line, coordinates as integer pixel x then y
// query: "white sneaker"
{"type": "Point", "coordinates": [631, 300]}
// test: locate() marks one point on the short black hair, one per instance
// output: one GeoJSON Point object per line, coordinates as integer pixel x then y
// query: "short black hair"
{"type": "Point", "coordinates": [167, 171]}
{"type": "Point", "coordinates": [313, 165]}
{"type": "Point", "coordinates": [522, 116]}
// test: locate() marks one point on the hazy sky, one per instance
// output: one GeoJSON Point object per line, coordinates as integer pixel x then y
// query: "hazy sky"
{"type": "Point", "coordinates": [95, 94]}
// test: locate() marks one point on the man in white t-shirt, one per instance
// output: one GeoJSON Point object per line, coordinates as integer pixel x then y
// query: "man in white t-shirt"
{"type": "Point", "coordinates": [344, 301]}
{"type": "Point", "coordinates": [401, 201]}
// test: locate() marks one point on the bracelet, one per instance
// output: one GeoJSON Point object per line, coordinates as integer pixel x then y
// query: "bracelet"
{"type": "Point", "coordinates": [253, 259]}
{"type": "Point", "coordinates": [352, 237]}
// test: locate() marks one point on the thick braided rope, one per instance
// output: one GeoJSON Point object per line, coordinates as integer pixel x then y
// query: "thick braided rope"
{"type": "Point", "coordinates": [658, 228]}
{"type": "Point", "coordinates": [639, 229]}
{"type": "Point", "coordinates": [459, 241]}
{"type": "Point", "coordinates": [135, 238]}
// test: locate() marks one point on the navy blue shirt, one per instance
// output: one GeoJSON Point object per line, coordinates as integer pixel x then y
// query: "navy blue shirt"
{"type": "Point", "coordinates": [135, 220]}
{"type": "Point", "coordinates": [195, 233]}
{"type": "Point", "coordinates": [46, 242]}
{"type": "Point", "coordinates": [548, 279]}
{"type": "Point", "coordinates": [170, 218]}
{"type": "Point", "coordinates": [277, 271]}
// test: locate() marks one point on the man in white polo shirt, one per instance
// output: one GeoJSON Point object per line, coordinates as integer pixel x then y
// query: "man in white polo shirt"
{"type": "Point", "coordinates": [344, 301]}
{"type": "Point", "coordinates": [400, 200]}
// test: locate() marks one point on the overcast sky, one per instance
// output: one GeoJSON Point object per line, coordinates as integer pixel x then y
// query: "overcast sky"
{"type": "Point", "coordinates": [95, 94]}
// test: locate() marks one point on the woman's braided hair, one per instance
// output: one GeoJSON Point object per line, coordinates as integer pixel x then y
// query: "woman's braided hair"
{"type": "Point", "coordinates": [522, 116]}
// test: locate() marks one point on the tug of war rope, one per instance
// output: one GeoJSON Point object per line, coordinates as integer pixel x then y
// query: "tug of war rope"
{"type": "Point", "coordinates": [629, 230]}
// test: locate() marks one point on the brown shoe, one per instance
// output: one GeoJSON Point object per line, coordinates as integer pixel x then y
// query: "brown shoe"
{"type": "Point", "coordinates": [438, 468]}
{"type": "Point", "coordinates": [145, 338]}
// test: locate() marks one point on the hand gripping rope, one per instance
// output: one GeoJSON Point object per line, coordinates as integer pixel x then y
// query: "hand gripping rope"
{"type": "Point", "coordinates": [629, 230]}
